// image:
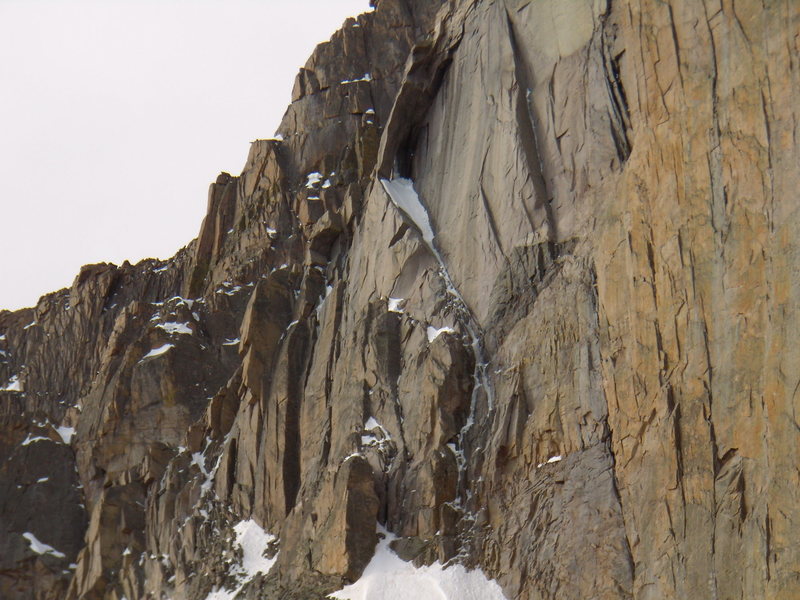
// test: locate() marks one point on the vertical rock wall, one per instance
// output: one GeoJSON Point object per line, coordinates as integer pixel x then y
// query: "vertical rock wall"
{"type": "Point", "coordinates": [582, 380]}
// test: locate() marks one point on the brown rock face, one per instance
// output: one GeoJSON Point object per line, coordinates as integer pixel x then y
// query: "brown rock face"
{"type": "Point", "coordinates": [576, 372]}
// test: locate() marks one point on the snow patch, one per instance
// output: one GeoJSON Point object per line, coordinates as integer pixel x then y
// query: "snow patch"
{"type": "Point", "coordinates": [388, 577]}
{"type": "Point", "coordinates": [13, 385]}
{"type": "Point", "coordinates": [40, 547]}
{"type": "Point", "coordinates": [34, 438]}
{"type": "Point", "coordinates": [549, 461]}
{"type": "Point", "coordinates": [434, 333]}
{"type": "Point", "coordinates": [175, 328]}
{"type": "Point", "coordinates": [228, 289]}
{"type": "Point", "coordinates": [189, 302]}
{"type": "Point", "coordinates": [396, 305]}
{"type": "Point", "coordinates": [364, 77]}
{"type": "Point", "coordinates": [402, 193]}
{"type": "Point", "coordinates": [231, 342]}
{"type": "Point", "coordinates": [253, 541]}
{"type": "Point", "coordinates": [157, 351]}
{"type": "Point", "coordinates": [66, 433]}
{"type": "Point", "coordinates": [313, 179]}
{"type": "Point", "coordinates": [321, 303]}
{"type": "Point", "coordinates": [370, 439]}
{"type": "Point", "coordinates": [199, 459]}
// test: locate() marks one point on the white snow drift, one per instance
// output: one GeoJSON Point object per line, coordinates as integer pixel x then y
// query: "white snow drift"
{"type": "Point", "coordinates": [388, 577]}
{"type": "Point", "coordinates": [253, 541]}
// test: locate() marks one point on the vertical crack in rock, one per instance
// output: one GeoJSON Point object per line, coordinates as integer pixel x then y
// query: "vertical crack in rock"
{"type": "Point", "coordinates": [620, 117]}
{"type": "Point", "coordinates": [405, 198]}
{"type": "Point", "coordinates": [529, 136]}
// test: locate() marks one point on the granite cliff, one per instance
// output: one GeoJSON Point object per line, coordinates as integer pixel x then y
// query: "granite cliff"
{"type": "Point", "coordinates": [519, 281]}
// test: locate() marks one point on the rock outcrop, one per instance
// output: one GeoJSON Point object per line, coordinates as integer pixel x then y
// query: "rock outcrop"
{"type": "Point", "coordinates": [517, 281]}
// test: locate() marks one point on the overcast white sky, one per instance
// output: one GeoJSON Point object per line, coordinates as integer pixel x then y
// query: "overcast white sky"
{"type": "Point", "coordinates": [115, 115]}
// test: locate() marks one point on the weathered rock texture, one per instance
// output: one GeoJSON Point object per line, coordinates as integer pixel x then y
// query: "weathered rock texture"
{"type": "Point", "coordinates": [588, 389]}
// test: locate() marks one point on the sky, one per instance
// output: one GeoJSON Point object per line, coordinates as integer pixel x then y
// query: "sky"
{"type": "Point", "coordinates": [115, 115]}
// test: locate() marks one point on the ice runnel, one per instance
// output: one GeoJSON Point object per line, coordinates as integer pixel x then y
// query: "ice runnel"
{"type": "Point", "coordinates": [403, 195]}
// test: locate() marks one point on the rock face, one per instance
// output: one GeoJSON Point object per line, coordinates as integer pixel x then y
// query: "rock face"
{"type": "Point", "coordinates": [566, 354]}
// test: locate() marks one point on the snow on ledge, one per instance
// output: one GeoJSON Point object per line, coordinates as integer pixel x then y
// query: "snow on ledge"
{"type": "Point", "coordinates": [253, 541]}
{"type": "Point", "coordinates": [66, 433]}
{"type": "Point", "coordinates": [550, 461]}
{"type": "Point", "coordinates": [40, 547]}
{"type": "Point", "coordinates": [364, 77]}
{"type": "Point", "coordinates": [396, 305]}
{"type": "Point", "coordinates": [157, 351]}
{"type": "Point", "coordinates": [369, 438]}
{"type": "Point", "coordinates": [34, 438]}
{"type": "Point", "coordinates": [388, 577]}
{"type": "Point", "coordinates": [434, 333]}
{"type": "Point", "coordinates": [402, 193]}
{"type": "Point", "coordinates": [312, 179]}
{"type": "Point", "coordinates": [176, 328]}
{"type": "Point", "coordinates": [13, 385]}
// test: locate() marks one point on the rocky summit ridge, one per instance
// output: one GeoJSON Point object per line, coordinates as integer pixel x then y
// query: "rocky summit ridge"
{"type": "Point", "coordinates": [518, 281]}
